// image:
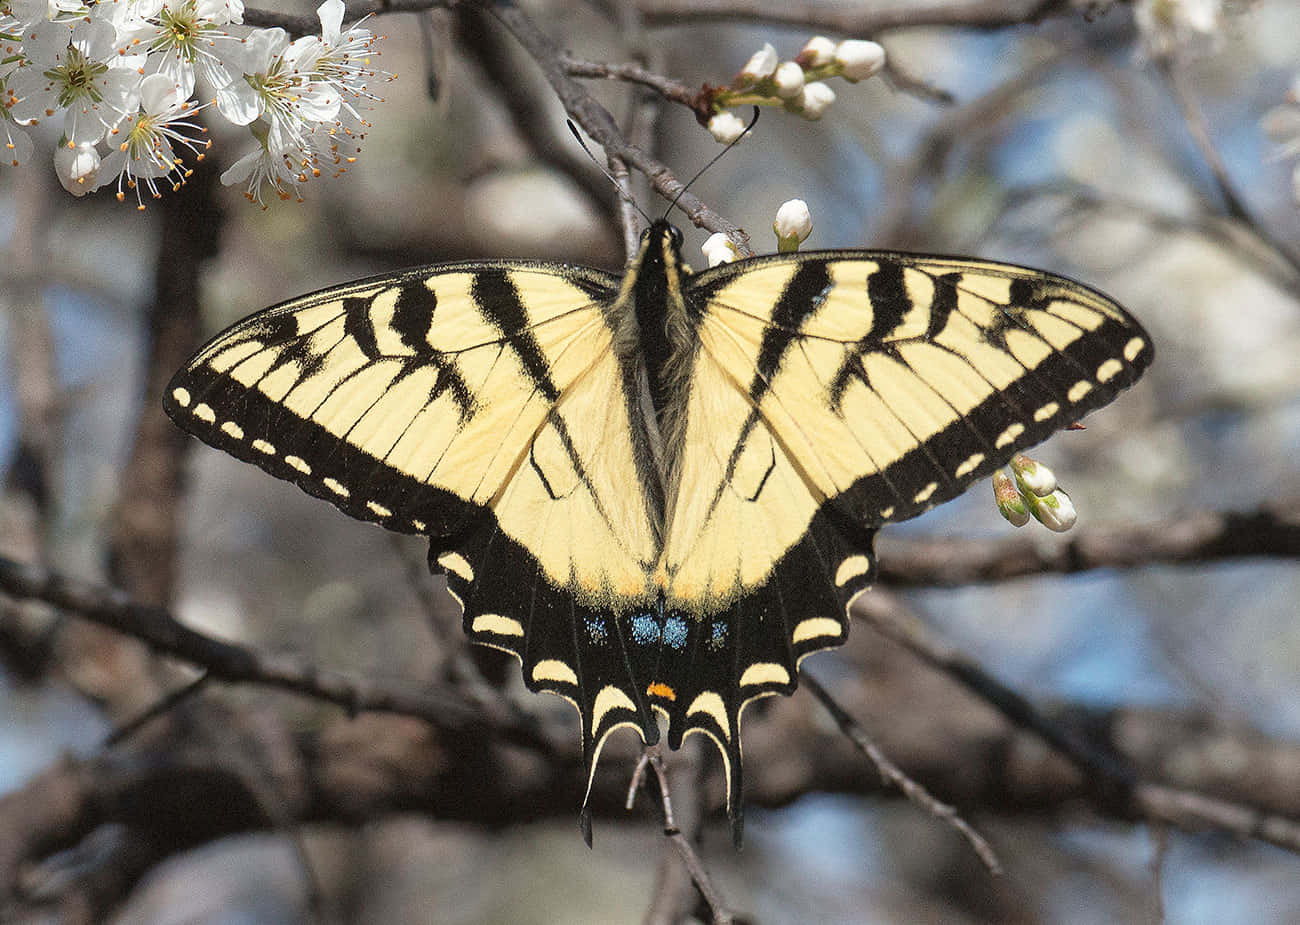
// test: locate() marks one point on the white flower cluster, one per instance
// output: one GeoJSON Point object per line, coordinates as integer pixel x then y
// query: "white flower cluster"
{"type": "Point", "coordinates": [122, 75]}
{"type": "Point", "coordinates": [1282, 125]}
{"type": "Point", "coordinates": [796, 85]}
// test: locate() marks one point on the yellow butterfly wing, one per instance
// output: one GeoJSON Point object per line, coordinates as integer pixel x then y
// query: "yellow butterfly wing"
{"type": "Point", "coordinates": [482, 404]}
{"type": "Point", "coordinates": [833, 393]}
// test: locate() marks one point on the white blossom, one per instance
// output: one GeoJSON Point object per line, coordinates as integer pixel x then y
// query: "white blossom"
{"type": "Point", "coordinates": [262, 167]}
{"type": "Point", "coordinates": [726, 127]}
{"type": "Point", "coordinates": [16, 142]}
{"type": "Point", "coordinates": [30, 12]}
{"type": "Point", "coordinates": [719, 249]}
{"type": "Point", "coordinates": [147, 155]}
{"type": "Point", "coordinates": [789, 80]}
{"type": "Point", "coordinates": [1168, 25]}
{"type": "Point", "coordinates": [72, 67]}
{"type": "Point", "coordinates": [817, 98]}
{"type": "Point", "coordinates": [341, 60]}
{"type": "Point", "coordinates": [121, 75]}
{"type": "Point", "coordinates": [182, 39]}
{"type": "Point", "coordinates": [859, 59]}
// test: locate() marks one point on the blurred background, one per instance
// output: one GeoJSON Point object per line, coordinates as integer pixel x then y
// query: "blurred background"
{"type": "Point", "coordinates": [1065, 147]}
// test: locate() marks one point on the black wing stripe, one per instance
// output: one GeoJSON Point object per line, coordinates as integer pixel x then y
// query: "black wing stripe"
{"type": "Point", "coordinates": [498, 301]}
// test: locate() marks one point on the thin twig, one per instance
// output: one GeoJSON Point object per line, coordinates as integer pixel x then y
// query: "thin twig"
{"type": "Point", "coordinates": [904, 81]}
{"type": "Point", "coordinates": [596, 121]}
{"type": "Point", "coordinates": [673, 90]}
{"type": "Point", "coordinates": [892, 774]}
{"type": "Point", "coordinates": [156, 709]}
{"type": "Point", "coordinates": [638, 776]}
{"type": "Point", "coordinates": [685, 850]}
{"type": "Point", "coordinates": [891, 618]}
{"type": "Point", "coordinates": [1199, 128]}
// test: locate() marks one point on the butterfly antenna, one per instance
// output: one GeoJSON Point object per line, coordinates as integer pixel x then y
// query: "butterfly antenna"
{"type": "Point", "coordinates": [622, 193]}
{"type": "Point", "coordinates": [717, 157]}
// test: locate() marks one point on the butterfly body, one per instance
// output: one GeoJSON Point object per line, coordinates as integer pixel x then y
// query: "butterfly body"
{"type": "Point", "coordinates": [660, 491]}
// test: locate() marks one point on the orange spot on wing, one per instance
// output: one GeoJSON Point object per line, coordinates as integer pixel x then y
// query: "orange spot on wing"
{"type": "Point", "coordinates": [660, 689]}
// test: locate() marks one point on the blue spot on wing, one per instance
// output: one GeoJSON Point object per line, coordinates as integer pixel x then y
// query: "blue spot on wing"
{"type": "Point", "coordinates": [674, 632]}
{"type": "Point", "coordinates": [645, 629]}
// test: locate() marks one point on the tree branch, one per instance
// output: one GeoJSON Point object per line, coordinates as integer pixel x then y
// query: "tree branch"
{"type": "Point", "coordinates": [1114, 783]}
{"type": "Point", "coordinates": [856, 19]}
{"type": "Point", "coordinates": [235, 663]}
{"type": "Point", "coordinates": [1199, 129]}
{"type": "Point", "coordinates": [1272, 530]}
{"type": "Point", "coordinates": [596, 121]}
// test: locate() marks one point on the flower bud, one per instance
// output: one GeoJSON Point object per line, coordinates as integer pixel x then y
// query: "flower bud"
{"type": "Point", "coordinates": [726, 127]}
{"type": "Point", "coordinates": [789, 80]}
{"type": "Point", "coordinates": [792, 226]}
{"type": "Point", "coordinates": [1055, 512]}
{"type": "Point", "coordinates": [818, 52]}
{"type": "Point", "coordinates": [719, 249]}
{"type": "Point", "coordinates": [1033, 476]}
{"type": "Point", "coordinates": [760, 65]}
{"type": "Point", "coordinates": [859, 59]}
{"type": "Point", "coordinates": [815, 100]}
{"type": "Point", "coordinates": [1010, 505]}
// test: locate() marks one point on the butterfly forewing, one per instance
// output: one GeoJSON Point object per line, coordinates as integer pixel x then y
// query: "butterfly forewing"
{"type": "Point", "coordinates": [895, 381]}
{"type": "Point", "coordinates": [422, 400]}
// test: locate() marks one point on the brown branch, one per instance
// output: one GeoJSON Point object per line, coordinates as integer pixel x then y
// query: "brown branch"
{"type": "Point", "coordinates": [1236, 781]}
{"type": "Point", "coordinates": [145, 522]}
{"type": "Point", "coordinates": [856, 19]}
{"type": "Point", "coordinates": [231, 662]}
{"type": "Point", "coordinates": [678, 831]}
{"type": "Point", "coordinates": [1271, 530]}
{"type": "Point", "coordinates": [1199, 128]}
{"type": "Point", "coordinates": [1112, 780]}
{"type": "Point", "coordinates": [597, 122]}
{"type": "Point", "coordinates": [894, 776]}
{"type": "Point", "coordinates": [862, 19]}
{"type": "Point", "coordinates": [235, 663]}
{"type": "Point", "coordinates": [672, 90]}
{"type": "Point", "coordinates": [307, 25]}
{"type": "Point", "coordinates": [529, 105]}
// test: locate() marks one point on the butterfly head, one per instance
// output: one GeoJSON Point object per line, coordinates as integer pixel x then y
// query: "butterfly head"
{"type": "Point", "coordinates": [660, 253]}
{"type": "Point", "coordinates": [662, 235]}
